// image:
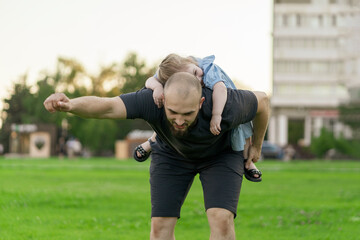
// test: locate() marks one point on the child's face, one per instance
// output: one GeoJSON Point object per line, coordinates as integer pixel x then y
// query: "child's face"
{"type": "Point", "coordinates": [195, 70]}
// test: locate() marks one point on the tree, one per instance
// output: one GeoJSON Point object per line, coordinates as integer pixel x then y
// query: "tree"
{"type": "Point", "coordinates": [16, 109]}
{"type": "Point", "coordinates": [25, 105]}
{"type": "Point", "coordinates": [69, 77]}
{"type": "Point", "coordinates": [349, 113]}
{"type": "Point", "coordinates": [134, 73]}
{"type": "Point", "coordinates": [107, 83]}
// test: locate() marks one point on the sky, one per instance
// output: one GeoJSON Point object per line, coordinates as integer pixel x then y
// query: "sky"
{"type": "Point", "coordinates": [34, 33]}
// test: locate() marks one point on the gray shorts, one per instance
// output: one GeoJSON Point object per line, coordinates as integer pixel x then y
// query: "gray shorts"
{"type": "Point", "coordinates": [171, 179]}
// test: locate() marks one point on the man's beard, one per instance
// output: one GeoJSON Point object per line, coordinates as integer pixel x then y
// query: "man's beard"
{"type": "Point", "coordinates": [181, 133]}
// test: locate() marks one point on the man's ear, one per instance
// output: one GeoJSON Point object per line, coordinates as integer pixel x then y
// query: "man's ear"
{"type": "Point", "coordinates": [202, 101]}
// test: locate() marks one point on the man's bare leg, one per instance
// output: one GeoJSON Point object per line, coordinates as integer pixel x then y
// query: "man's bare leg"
{"type": "Point", "coordinates": [163, 228]}
{"type": "Point", "coordinates": [221, 223]}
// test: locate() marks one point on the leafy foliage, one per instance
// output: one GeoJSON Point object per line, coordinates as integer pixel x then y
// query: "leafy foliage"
{"type": "Point", "coordinates": [350, 115]}
{"type": "Point", "coordinates": [135, 73]}
{"type": "Point", "coordinates": [320, 145]}
{"type": "Point", "coordinates": [326, 141]}
{"type": "Point", "coordinates": [25, 105]}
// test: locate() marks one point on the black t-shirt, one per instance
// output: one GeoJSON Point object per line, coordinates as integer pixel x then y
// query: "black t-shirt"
{"type": "Point", "coordinates": [199, 143]}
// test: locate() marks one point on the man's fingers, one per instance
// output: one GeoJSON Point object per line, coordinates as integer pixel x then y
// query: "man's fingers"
{"type": "Point", "coordinates": [63, 106]}
{"type": "Point", "coordinates": [57, 102]}
{"type": "Point", "coordinates": [49, 105]}
{"type": "Point", "coordinates": [253, 157]}
{"type": "Point", "coordinates": [54, 105]}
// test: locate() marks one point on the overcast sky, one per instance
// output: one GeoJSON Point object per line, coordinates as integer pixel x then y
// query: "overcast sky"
{"type": "Point", "coordinates": [33, 33]}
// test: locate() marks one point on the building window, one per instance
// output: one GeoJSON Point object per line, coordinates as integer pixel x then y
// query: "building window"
{"type": "Point", "coordinates": [298, 20]}
{"type": "Point", "coordinates": [285, 20]}
{"type": "Point", "coordinates": [306, 43]}
{"type": "Point", "coordinates": [334, 20]}
{"type": "Point", "coordinates": [293, 1]}
{"type": "Point", "coordinates": [353, 3]}
{"type": "Point", "coordinates": [278, 21]}
{"type": "Point", "coordinates": [305, 67]}
{"type": "Point", "coordinates": [320, 19]}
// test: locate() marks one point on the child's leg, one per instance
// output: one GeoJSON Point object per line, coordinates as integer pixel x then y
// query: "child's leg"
{"type": "Point", "coordinates": [246, 148]}
{"type": "Point", "coordinates": [249, 164]}
{"type": "Point", "coordinates": [241, 135]}
{"type": "Point", "coordinates": [146, 145]}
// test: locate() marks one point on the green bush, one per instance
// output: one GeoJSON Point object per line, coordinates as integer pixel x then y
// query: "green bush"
{"type": "Point", "coordinates": [349, 147]}
{"type": "Point", "coordinates": [320, 145]}
{"type": "Point", "coordinates": [326, 141]}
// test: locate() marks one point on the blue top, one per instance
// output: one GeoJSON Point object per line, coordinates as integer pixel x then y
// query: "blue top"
{"type": "Point", "coordinates": [213, 73]}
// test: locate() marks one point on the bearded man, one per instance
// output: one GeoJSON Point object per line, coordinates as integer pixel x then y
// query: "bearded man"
{"type": "Point", "coordinates": [185, 146]}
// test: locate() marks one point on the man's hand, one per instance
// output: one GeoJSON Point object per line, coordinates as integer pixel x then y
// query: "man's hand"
{"type": "Point", "coordinates": [215, 124]}
{"type": "Point", "coordinates": [158, 96]}
{"type": "Point", "coordinates": [254, 154]}
{"type": "Point", "coordinates": [57, 102]}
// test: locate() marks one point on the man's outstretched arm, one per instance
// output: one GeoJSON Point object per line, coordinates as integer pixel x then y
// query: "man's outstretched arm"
{"type": "Point", "coordinates": [87, 107]}
{"type": "Point", "coordinates": [260, 123]}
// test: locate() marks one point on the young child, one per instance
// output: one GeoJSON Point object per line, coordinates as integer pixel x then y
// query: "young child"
{"type": "Point", "coordinates": [212, 76]}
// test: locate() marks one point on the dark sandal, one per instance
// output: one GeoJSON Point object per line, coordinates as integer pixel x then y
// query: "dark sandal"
{"type": "Point", "coordinates": [250, 174]}
{"type": "Point", "coordinates": [144, 154]}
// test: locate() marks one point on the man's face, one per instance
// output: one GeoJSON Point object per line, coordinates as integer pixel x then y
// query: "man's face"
{"type": "Point", "coordinates": [181, 113]}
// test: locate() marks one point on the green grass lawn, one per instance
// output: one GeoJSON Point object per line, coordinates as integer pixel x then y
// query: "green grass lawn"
{"type": "Point", "coordinates": [108, 199]}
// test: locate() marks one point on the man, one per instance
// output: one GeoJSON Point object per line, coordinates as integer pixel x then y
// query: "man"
{"type": "Point", "coordinates": [185, 146]}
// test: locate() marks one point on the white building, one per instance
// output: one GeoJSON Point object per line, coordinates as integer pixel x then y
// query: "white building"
{"type": "Point", "coordinates": [316, 59]}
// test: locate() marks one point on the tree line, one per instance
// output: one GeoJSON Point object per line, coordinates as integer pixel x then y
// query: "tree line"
{"type": "Point", "coordinates": [25, 104]}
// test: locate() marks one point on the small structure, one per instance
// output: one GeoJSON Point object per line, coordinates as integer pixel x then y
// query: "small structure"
{"type": "Point", "coordinates": [124, 148]}
{"type": "Point", "coordinates": [40, 144]}
{"type": "Point", "coordinates": [32, 140]}
{"type": "Point", "coordinates": [74, 148]}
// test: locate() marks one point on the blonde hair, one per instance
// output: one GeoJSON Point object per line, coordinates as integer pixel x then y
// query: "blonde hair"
{"type": "Point", "coordinates": [173, 63]}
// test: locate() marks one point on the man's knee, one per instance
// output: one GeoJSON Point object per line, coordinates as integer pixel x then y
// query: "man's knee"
{"type": "Point", "coordinates": [162, 226]}
{"type": "Point", "coordinates": [220, 220]}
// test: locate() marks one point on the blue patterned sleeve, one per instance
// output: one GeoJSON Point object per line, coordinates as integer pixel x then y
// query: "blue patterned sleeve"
{"type": "Point", "coordinates": [248, 129]}
{"type": "Point", "coordinates": [214, 74]}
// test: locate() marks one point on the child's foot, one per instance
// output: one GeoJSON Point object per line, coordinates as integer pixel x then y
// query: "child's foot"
{"type": "Point", "coordinates": [252, 173]}
{"type": "Point", "coordinates": [142, 152]}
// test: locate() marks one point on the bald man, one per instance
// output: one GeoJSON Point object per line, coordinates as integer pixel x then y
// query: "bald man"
{"type": "Point", "coordinates": [185, 146]}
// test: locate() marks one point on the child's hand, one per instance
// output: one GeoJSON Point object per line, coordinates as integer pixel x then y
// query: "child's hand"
{"type": "Point", "coordinates": [215, 124]}
{"type": "Point", "coordinates": [158, 96]}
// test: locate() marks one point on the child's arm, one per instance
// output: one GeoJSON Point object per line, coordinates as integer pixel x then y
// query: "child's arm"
{"type": "Point", "coordinates": [219, 98]}
{"type": "Point", "coordinates": [158, 89]}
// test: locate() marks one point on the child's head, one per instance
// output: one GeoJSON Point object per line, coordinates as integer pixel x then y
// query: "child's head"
{"type": "Point", "coordinates": [174, 63]}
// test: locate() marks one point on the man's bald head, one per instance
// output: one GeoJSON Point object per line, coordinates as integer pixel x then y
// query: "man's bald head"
{"type": "Point", "coordinates": [184, 85]}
